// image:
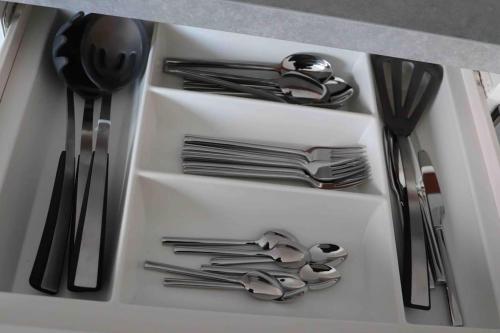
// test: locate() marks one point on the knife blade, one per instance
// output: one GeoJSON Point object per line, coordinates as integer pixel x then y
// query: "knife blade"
{"type": "Point", "coordinates": [436, 204]}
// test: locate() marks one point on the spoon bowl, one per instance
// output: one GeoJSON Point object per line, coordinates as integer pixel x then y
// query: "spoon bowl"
{"type": "Point", "coordinates": [325, 252]}
{"type": "Point", "coordinates": [308, 64]}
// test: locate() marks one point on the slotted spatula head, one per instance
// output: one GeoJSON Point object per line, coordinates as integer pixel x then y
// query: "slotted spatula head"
{"type": "Point", "coordinates": [405, 88]}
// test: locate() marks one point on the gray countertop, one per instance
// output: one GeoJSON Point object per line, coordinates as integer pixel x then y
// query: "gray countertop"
{"type": "Point", "coordinates": [460, 33]}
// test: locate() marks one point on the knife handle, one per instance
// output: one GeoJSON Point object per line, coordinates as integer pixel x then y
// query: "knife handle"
{"type": "Point", "coordinates": [416, 291]}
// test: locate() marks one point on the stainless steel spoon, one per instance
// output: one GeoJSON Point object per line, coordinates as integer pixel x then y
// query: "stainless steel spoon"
{"type": "Point", "coordinates": [295, 87]}
{"type": "Point", "coordinates": [267, 241]}
{"type": "Point", "coordinates": [338, 91]}
{"type": "Point", "coordinates": [305, 63]}
{"type": "Point", "coordinates": [287, 281]}
{"type": "Point", "coordinates": [320, 254]}
{"type": "Point", "coordinates": [317, 276]}
{"type": "Point", "coordinates": [286, 255]}
{"type": "Point", "coordinates": [258, 284]}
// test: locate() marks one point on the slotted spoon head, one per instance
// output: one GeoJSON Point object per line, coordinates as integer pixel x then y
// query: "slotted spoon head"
{"type": "Point", "coordinates": [114, 51]}
{"type": "Point", "coordinates": [405, 88]}
{"type": "Point", "coordinates": [66, 56]}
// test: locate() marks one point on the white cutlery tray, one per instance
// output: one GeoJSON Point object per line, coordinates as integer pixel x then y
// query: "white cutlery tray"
{"type": "Point", "coordinates": [150, 197]}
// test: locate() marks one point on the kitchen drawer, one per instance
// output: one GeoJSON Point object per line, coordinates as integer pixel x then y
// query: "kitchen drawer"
{"type": "Point", "coordinates": [150, 197]}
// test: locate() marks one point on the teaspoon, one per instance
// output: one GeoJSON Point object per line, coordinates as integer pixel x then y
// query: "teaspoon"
{"type": "Point", "coordinates": [317, 276]}
{"type": "Point", "coordinates": [308, 64]}
{"type": "Point", "coordinates": [267, 241]}
{"type": "Point", "coordinates": [259, 285]}
{"type": "Point", "coordinates": [286, 255]}
{"type": "Point", "coordinates": [320, 253]}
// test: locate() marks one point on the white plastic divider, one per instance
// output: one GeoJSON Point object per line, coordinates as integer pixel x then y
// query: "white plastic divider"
{"type": "Point", "coordinates": [165, 204]}
{"type": "Point", "coordinates": [163, 201]}
{"type": "Point", "coordinates": [196, 43]}
{"type": "Point", "coordinates": [169, 114]}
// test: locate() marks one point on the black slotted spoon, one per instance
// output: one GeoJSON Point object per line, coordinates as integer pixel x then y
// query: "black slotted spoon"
{"type": "Point", "coordinates": [113, 54]}
{"type": "Point", "coordinates": [406, 88]}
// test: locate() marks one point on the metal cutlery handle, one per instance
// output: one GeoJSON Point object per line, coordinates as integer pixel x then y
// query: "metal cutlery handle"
{"type": "Point", "coordinates": [240, 79]}
{"type": "Point", "coordinates": [223, 261]}
{"type": "Point", "coordinates": [227, 84]}
{"type": "Point", "coordinates": [434, 250]}
{"type": "Point", "coordinates": [86, 262]}
{"type": "Point", "coordinates": [244, 160]}
{"type": "Point", "coordinates": [198, 149]}
{"type": "Point", "coordinates": [416, 278]}
{"type": "Point", "coordinates": [288, 174]}
{"type": "Point", "coordinates": [47, 268]}
{"type": "Point", "coordinates": [171, 62]}
{"type": "Point", "coordinates": [192, 283]}
{"type": "Point", "coordinates": [204, 241]}
{"type": "Point", "coordinates": [244, 270]}
{"type": "Point", "coordinates": [219, 250]}
{"type": "Point", "coordinates": [241, 145]}
{"type": "Point", "coordinates": [202, 86]}
{"type": "Point", "coordinates": [166, 268]}
{"type": "Point", "coordinates": [451, 290]}
{"type": "Point", "coordinates": [84, 160]}
{"type": "Point", "coordinates": [244, 173]}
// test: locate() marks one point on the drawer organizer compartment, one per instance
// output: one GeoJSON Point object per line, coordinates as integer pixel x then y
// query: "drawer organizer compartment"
{"type": "Point", "coordinates": [150, 197]}
{"type": "Point", "coordinates": [33, 125]}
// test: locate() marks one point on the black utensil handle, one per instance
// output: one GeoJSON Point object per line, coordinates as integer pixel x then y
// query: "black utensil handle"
{"type": "Point", "coordinates": [86, 262]}
{"type": "Point", "coordinates": [46, 273]}
{"type": "Point", "coordinates": [416, 291]}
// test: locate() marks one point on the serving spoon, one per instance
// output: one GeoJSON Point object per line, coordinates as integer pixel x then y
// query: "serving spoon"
{"type": "Point", "coordinates": [308, 64]}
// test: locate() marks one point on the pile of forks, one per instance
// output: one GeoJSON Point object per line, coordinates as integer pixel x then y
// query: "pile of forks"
{"type": "Point", "coordinates": [320, 167]}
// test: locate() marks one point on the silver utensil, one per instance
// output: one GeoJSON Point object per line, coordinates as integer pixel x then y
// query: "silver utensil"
{"type": "Point", "coordinates": [322, 253]}
{"type": "Point", "coordinates": [435, 201]}
{"type": "Point", "coordinates": [294, 87]}
{"type": "Point", "coordinates": [287, 281]}
{"type": "Point", "coordinates": [285, 255]}
{"type": "Point", "coordinates": [260, 93]}
{"type": "Point", "coordinates": [337, 90]}
{"type": "Point", "coordinates": [317, 276]}
{"type": "Point", "coordinates": [287, 297]}
{"type": "Point", "coordinates": [305, 63]}
{"type": "Point", "coordinates": [344, 152]}
{"type": "Point", "coordinates": [322, 171]}
{"type": "Point", "coordinates": [268, 240]}
{"type": "Point", "coordinates": [435, 261]}
{"type": "Point", "coordinates": [258, 284]}
{"type": "Point", "coordinates": [277, 174]}
{"type": "Point", "coordinates": [405, 90]}
{"type": "Point", "coordinates": [310, 154]}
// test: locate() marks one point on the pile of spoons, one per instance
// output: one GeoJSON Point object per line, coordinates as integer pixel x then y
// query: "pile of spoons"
{"type": "Point", "coordinates": [301, 78]}
{"type": "Point", "coordinates": [300, 268]}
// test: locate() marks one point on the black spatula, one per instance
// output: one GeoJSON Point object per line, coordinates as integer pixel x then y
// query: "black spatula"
{"type": "Point", "coordinates": [405, 89]}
